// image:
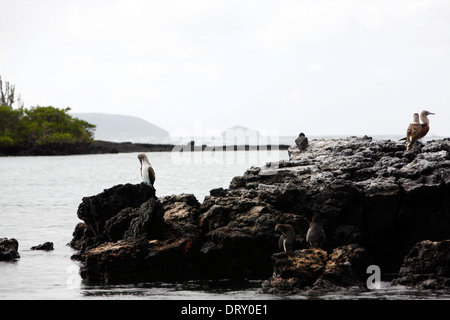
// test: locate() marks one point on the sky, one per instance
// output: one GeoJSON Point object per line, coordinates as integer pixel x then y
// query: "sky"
{"type": "Point", "coordinates": [322, 67]}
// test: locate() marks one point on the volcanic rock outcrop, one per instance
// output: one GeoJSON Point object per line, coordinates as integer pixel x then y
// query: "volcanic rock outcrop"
{"type": "Point", "coordinates": [9, 249]}
{"type": "Point", "coordinates": [373, 196]}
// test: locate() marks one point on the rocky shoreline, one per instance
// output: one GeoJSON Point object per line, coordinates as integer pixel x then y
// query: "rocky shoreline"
{"type": "Point", "coordinates": [103, 147]}
{"type": "Point", "coordinates": [380, 205]}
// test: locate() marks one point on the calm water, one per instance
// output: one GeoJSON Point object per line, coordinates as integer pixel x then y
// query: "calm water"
{"type": "Point", "coordinates": [39, 197]}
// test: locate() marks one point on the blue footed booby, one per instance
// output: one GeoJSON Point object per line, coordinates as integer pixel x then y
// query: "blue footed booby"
{"type": "Point", "coordinates": [416, 132]}
{"type": "Point", "coordinates": [147, 172]}
{"type": "Point", "coordinates": [315, 235]}
{"type": "Point", "coordinates": [413, 127]}
{"type": "Point", "coordinates": [287, 237]}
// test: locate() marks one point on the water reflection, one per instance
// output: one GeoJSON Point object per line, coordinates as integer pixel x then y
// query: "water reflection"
{"type": "Point", "coordinates": [250, 290]}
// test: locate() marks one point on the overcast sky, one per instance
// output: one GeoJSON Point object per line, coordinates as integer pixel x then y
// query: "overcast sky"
{"type": "Point", "coordinates": [321, 67]}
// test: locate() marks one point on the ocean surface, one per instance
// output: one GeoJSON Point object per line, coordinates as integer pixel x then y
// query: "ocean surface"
{"type": "Point", "coordinates": [39, 197]}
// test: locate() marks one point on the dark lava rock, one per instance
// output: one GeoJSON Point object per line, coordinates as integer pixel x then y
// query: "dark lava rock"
{"type": "Point", "coordinates": [97, 210]}
{"type": "Point", "coordinates": [46, 246]}
{"type": "Point", "coordinates": [426, 266]}
{"type": "Point", "coordinates": [9, 249]}
{"type": "Point", "coordinates": [372, 197]}
{"type": "Point", "coordinates": [315, 269]}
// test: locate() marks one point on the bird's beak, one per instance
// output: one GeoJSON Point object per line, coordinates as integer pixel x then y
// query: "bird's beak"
{"type": "Point", "coordinates": [431, 113]}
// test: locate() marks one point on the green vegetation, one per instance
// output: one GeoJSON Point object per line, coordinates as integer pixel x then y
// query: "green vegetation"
{"type": "Point", "coordinates": [38, 126]}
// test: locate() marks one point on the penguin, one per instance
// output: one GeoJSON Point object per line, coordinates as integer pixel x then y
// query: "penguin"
{"type": "Point", "coordinates": [147, 172]}
{"type": "Point", "coordinates": [287, 237]}
{"type": "Point", "coordinates": [315, 235]}
{"type": "Point", "coordinates": [301, 141]}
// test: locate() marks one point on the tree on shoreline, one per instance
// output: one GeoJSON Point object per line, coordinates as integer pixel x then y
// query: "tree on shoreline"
{"type": "Point", "coordinates": [38, 126]}
{"type": "Point", "coordinates": [7, 96]}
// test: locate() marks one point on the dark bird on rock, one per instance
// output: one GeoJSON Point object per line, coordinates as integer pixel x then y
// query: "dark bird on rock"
{"type": "Point", "coordinates": [287, 237]}
{"type": "Point", "coordinates": [301, 141]}
{"type": "Point", "coordinates": [315, 235]}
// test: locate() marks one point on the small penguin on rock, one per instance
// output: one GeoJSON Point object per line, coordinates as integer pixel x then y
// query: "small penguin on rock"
{"type": "Point", "coordinates": [315, 235]}
{"type": "Point", "coordinates": [287, 237]}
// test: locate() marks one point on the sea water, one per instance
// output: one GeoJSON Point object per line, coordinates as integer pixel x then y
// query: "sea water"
{"type": "Point", "coordinates": [39, 197]}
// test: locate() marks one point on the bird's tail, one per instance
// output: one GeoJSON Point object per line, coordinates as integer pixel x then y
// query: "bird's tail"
{"type": "Point", "coordinates": [402, 139]}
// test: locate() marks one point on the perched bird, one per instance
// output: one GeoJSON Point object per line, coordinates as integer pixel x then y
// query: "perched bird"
{"type": "Point", "coordinates": [418, 132]}
{"type": "Point", "coordinates": [315, 235]}
{"type": "Point", "coordinates": [301, 141]}
{"type": "Point", "coordinates": [413, 127]}
{"type": "Point", "coordinates": [147, 172]}
{"type": "Point", "coordinates": [287, 237]}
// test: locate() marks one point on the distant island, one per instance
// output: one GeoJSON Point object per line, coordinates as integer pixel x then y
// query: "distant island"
{"type": "Point", "coordinates": [239, 130]}
{"type": "Point", "coordinates": [240, 135]}
{"type": "Point", "coordinates": [121, 128]}
{"type": "Point", "coordinates": [51, 131]}
{"type": "Point", "coordinates": [46, 130]}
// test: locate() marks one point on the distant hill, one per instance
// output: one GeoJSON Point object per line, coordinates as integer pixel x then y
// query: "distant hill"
{"type": "Point", "coordinates": [240, 135]}
{"type": "Point", "coordinates": [114, 127]}
{"type": "Point", "coordinates": [239, 130]}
